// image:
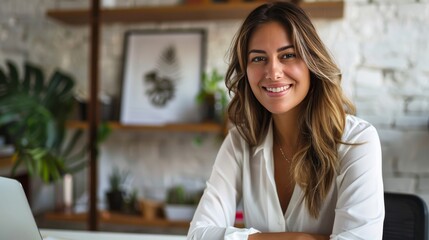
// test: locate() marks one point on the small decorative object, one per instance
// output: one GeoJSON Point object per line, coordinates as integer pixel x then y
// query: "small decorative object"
{"type": "Point", "coordinates": [213, 96]}
{"type": "Point", "coordinates": [115, 195]}
{"type": "Point", "coordinates": [106, 106]}
{"type": "Point", "coordinates": [151, 209]}
{"type": "Point", "coordinates": [181, 205]}
{"type": "Point", "coordinates": [161, 75]}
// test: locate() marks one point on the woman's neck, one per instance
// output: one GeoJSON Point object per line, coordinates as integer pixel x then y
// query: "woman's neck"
{"type": "Point", "coordinates": [286, 129]}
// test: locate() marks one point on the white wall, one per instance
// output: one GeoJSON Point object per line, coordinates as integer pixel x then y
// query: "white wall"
{"type": "Point", "coordinates": [381, 47]}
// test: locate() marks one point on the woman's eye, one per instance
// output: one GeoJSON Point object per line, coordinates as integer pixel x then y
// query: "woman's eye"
{"type": "Point", "coordinates": [258, 59]}
{"type": "Point", "coordinates": [288, 55]}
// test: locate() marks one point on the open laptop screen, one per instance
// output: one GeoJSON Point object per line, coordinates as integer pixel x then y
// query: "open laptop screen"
{"type": "Point", "coordinates": [16, 218]}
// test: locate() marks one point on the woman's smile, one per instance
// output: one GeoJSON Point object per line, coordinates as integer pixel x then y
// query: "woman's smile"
{"type": "Point", "coordinates": [278, 89]}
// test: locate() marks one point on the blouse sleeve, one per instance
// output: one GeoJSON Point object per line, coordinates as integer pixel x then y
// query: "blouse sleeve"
{"type": "Point", "coordinates": [359, 212]}
{"type": "Point", "coordinates": [215, 215]}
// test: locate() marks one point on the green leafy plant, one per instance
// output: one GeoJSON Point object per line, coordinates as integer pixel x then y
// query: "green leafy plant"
{"type": "Point", "coordinates": [33, 114]}
{"type": "Point", "coordinates": [115, 194]}
{"type": "Point", "coordinates": [131, 202]}
{"type": "Point", "coordinates": [179, 195]}
{"type": "Point", "coordinates": [117, 179]}
{"type": "Point", "coordinates": [213, 95]}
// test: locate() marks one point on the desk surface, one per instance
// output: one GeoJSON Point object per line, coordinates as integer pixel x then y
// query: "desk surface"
{"type": "Point", "coordinates": [86, 235]}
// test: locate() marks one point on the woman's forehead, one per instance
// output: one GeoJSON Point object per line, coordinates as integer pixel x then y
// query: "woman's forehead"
{"type": "Point", "coordinates": [267, 35]}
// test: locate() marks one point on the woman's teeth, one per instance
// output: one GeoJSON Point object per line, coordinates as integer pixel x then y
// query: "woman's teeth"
{"type": "Point", "coordinates": [278, 89]}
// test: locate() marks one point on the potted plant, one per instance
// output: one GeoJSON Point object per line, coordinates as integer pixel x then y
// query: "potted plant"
{"type": "Point", "coordinates": [115, 194]}
{"type": "Point", "coordinates": [33, 113]}
{"type": "Point", "coordinates": [181, 204]}
{"type": "Point", "coordinates": [131, 202]}
{"type": "Point", "coordinates": [213, 96]}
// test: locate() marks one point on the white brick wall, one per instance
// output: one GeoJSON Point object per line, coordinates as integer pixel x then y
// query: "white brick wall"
{"type": "Point", "coordinates": [380, 45]}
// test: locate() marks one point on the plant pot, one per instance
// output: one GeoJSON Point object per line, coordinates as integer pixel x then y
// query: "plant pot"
{"type": "Point", "coordinates": [209, 107]}
{"type": "Point", "coordinates": [179, 212]}
{"type": "Point", "coordinates": [115, 200]}
{"type": "Point", "coordinates": [212, 107]}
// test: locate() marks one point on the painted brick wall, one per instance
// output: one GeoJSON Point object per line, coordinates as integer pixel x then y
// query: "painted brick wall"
{"type": "Point", "coordinates": [381, 47]}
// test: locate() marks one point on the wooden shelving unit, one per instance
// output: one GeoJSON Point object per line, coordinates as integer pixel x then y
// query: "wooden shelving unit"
{"type": "Point", "coordinates": [196, 12]}
{"type": "Point", "coordinates": [208, 127]}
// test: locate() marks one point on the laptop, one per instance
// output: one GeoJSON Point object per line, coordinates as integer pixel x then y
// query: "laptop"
{"type": "Point", "coordinates": [16, 218]}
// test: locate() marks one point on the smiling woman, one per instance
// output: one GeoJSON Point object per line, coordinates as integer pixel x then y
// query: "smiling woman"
{"type": "Point", "coordinates": [273, 71]}
{"type": "Point", "coordinates": [297, 159]}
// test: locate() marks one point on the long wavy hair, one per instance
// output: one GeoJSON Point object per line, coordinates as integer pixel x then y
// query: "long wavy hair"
{"type": "Point", "coordinates": [323, 111]}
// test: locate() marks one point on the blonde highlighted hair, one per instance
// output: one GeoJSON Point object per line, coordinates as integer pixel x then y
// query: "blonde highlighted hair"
{"type": "Point", "coordinates": [324, 109]}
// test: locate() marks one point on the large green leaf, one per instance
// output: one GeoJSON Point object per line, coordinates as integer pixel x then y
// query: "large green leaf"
{"type": "Point", "coordinates": [13, 74]}
{"type": "Point", "coordinates": [33, 80]}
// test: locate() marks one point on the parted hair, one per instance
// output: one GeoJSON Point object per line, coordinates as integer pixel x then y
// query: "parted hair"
{"type": "Point", "coordinates": [323, 110]}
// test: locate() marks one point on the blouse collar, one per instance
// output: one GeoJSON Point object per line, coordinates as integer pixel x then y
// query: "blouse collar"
{"type": "Point", "coordinates": [267, 145]}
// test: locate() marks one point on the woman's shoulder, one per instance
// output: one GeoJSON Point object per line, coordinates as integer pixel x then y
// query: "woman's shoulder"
{"type": "Point", "coordinates": [356, 127]}
{"type": "Point", "coordinates": [234, 134]}
{"type": "Point", "coordinates": [360, 139]}
{"type": "Point", "coordinates": [235, 138]}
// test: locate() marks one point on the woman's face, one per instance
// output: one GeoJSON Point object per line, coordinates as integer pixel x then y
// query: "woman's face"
{"type": "Point", "coordinates": [278, 78]}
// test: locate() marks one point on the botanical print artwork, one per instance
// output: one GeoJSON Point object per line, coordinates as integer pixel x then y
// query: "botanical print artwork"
{"type": "Point", "coordinates": [162, 72]}
{"type": "Point", "coordinates": [161, 82]}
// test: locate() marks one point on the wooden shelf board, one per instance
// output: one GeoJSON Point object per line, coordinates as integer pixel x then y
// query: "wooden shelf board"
{"type": "Point", "coordinates": [65, 216]}
{"type": "Point", "coordinates": [116, 218]}
{"type": "Point", "coordinates": [211, 127]}
{"type": "Point", "coordinates": [196, 12]}
{"type": "Point", "coordinates": [6, 162]}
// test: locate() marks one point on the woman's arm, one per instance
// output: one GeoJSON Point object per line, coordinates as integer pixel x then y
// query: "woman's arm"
{"type": "Point", "coordinates": [287, 235]}
{"type": "Point", "coordinates": [215, 215]}
{"type": "Point", "coordinates": [359, 212]}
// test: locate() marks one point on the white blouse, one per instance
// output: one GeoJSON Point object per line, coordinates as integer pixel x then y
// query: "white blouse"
{"type": "Point", "coordinates": [353, 208]}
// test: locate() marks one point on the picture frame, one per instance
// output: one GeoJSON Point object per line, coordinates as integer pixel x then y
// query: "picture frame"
{"type": "Point", "coordinates": [161, 76]}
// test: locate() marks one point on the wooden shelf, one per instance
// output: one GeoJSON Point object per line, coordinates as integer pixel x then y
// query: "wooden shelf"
{"type": "Point", "coordinates": [209, 127]}
{"type": "Point", "coordinates": [197, 12]}
{"type": "Point", "coordinates": [116, 218]}
{"type": "Point", "coordinates": [6, 162]}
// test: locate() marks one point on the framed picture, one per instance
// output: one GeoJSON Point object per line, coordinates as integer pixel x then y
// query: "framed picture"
{"type": "Point", "coordinates": [161, 76]}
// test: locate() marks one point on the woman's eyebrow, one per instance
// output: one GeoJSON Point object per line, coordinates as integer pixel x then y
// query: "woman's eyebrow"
{"type": "Point", "coordinates": [284, 48]}
{"type": "Point", "coordinates": [256, 51]}
{"type": "Point", "coordinates": [263, 52]}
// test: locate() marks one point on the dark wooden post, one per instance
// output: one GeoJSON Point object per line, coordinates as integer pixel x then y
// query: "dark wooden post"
{"type": "Point", "coordinates": [93, 113]}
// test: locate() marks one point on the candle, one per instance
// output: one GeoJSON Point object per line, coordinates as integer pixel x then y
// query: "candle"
{"type": "Point", "coordinates": [68, 190]}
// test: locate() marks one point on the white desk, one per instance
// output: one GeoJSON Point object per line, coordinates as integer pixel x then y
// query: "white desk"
{"type": "Point", "coordinates": [87, 235]}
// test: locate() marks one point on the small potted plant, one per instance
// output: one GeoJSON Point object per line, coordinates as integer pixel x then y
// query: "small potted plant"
{"type": "Point", "coordinates": [212, 96]}
{"type": "Point", "coordinates": [181, 204]}
{"type": "Point", "coordinates": [115, 195]}
{"type": "Point", "coordinates": [131, 202]}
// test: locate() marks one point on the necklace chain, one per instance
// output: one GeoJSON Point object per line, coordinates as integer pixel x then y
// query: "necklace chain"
{"type": "Point", "coordinates": [281, 151]}
{"type": "Point", "coordinates": [283, 154]}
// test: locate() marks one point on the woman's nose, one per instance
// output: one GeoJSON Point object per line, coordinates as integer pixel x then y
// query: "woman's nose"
{"type": "Point", "coordinates": [274, 70]}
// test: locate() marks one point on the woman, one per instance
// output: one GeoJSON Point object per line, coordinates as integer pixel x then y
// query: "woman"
{"type": "Point", "coordinates": [300, 164]}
